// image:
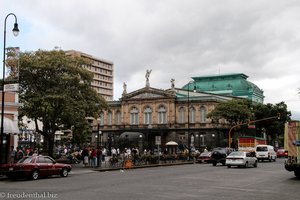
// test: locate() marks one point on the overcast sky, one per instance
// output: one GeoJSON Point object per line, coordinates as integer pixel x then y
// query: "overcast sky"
{"type": "Point", "coordinates": [177, 39]}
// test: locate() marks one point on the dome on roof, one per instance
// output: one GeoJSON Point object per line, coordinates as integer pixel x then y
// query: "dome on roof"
{"type": "Point", "coordinates": [228, 85]}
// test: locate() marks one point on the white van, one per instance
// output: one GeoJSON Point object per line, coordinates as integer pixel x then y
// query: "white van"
{"type": "Point", "coordinates": [265, 152]}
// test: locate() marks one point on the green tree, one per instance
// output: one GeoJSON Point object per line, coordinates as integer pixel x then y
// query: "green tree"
{"type": "Point", "coordinates": [242, 111]}
{"type": "Point", "coordinates": [55, 89]}
{"type": "Point", "coordinates": [273, 127]}
{"type": "Point", "coordinates": [234, 111]}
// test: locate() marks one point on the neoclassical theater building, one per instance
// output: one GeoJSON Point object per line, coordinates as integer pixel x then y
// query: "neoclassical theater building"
{"type": "Point", "coordinates": [150, 116]}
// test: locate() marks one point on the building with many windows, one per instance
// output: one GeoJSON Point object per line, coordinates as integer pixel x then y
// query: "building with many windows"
{"type": "Point", "coordinates": [172, 115]}
{"type": "Point", "coordinates": [103, 74]}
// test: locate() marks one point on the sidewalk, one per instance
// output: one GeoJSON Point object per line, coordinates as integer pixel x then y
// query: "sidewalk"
{"type": "Point", "coordinates": [105, 166]}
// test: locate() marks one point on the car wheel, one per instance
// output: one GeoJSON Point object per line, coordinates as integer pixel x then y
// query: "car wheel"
{"type": "Point", "coordinates": [229, 166]}
{"type": "Point", "coordinates": [246, 164]}
{"type": "Point", "coordinates": [223, 163]}
{"type": "Point", "coordinates": [64, 172]}
{"type": "Point", "coordinates": [35, 174]}
{"type": "Point", "coordinates": [214, 163]}
{"type": "Point", "coordinates": [255, 164]}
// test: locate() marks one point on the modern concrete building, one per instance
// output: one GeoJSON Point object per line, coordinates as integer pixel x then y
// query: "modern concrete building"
{"type": "Point", "coordinates": [103, 81]}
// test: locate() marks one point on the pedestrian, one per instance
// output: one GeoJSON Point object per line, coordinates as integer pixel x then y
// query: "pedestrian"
{"type": "Point", "coordinates": [13, 155]}
{"type": "Point", "coordinates": [104, 154]}
{"type": "Point", "coordinates": [99, 156]}
{"type": "Point", "coordinates": [114, 152]}
{"type": "Point", "coordinates": [85, 156]}
{"type": "Point", "coordinates": [20, 153]}
{"type": "Point", "coordinates": [93, 158]}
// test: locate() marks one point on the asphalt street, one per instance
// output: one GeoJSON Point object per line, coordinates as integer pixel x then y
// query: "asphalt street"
{"type": "Point", "coordinates": [270, 181]}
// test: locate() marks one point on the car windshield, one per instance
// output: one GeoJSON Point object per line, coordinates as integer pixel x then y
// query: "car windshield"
{"type": "Point", "coordinates": [25, 160]}
{"type": "Point", "coordinates": [236, 153]}
{"type": "Point", "coordinates": [261, 149]}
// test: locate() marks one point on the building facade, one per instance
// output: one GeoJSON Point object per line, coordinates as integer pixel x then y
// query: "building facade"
{"type": "Point", "coordinates": [10, 124]}
{"type": "Point", "coordinates": [103, 74]}
{"type": "Point", "coordinates": [149, 114]}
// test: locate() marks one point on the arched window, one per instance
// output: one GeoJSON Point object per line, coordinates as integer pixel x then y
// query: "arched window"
{"type": "Point", "coordinates": [118, 118]}
{"type": "Point", "coordinates": [109, 118]}
{"type": "Point", "coordinates": [134, 116]}
{"type": "Point", "coordinates": [192, 115]}
{"type": "Point", "coordinates": [102, 119]}
{"type": "Point", "coordinates": [181, 115]}
{"type": "Point", "coordinates": [162, 118]}
{"type": "Point", "coordinates": [147, 115]}
{"type": "Point", "coordinates": [202, 114]}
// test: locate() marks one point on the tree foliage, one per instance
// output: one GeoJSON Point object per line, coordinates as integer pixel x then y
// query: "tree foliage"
{"type": "Point", "coordinates": [238, 111]}
{"type": "Point", "coordinates": [275, 126]}
{"type": "Point", "coordinates": [234, 111]}
{"type": "Point", "coordinates": [55, 89]}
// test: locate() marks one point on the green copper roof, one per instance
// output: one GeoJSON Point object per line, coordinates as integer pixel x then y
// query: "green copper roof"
{"type": "Point", "coordinates": [228, 85]}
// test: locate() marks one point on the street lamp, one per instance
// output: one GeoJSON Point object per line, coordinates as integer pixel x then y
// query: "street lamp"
{"type": "Point", "coordinates": [141, 142]}
{"type": "Point", "coordinates": [202, 138]}
{"type": "Point", "coordinates": [188, 122]}
{"type": "Point", "coordinates": [99, 133]}
{"type": "Point", "coordinates": [198, 141]}
{"type": "Point", "coordinates": [15, 32]}
{"type": "Point", "coordinates": [213, 140]}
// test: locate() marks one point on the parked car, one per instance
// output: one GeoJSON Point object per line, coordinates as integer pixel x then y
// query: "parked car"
{"type": "Point", "coordinates": [240, 158]}
{"type": "Point", "coordinates": [34, 167]}
{"type": "Point", "coordinates": [265, 152]}
{"type": "Point", "coordinates": [219, 155]}
{"type": "Point", "coordinates": [204, 157]}
{"type": "Point", "coordinates": [281, 153]}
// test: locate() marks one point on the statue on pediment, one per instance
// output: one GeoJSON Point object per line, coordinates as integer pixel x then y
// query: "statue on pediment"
{"type": "Point", "coordinates": [124, 89]}
{"type": "Point", "coordinates": [148, 72]}
{"type": "Point", "coordinates": [172, 83]}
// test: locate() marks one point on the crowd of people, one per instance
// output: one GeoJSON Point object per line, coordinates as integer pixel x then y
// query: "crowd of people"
{"type": "Point", "coordinates": [18, 153]}
{"type": "Point", "coordinates": [89, 156]}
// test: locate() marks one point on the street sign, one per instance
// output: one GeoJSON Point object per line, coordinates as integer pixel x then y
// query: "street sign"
{"type": "Point", "coordinates": [157, 140]}
{"type": "Point", "coordinates": [11, 87]}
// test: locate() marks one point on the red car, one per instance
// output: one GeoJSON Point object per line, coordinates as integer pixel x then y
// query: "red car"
{"type": "Point", "coordinates": [34, 167]}
{"type": "Point", "coordinates": [204, 157]}
{"type": "Point", "coordinates": [281, 153]}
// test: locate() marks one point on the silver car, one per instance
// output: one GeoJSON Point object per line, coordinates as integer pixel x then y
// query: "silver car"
{"type": "Point", "coordinates": [240, 158]}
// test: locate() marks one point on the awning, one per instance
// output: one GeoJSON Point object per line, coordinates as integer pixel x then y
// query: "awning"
{"type": "Point", "coordinates": [132, 135]}
{"type": "Point", "coordinates": [171, 143]}
{"type": "Point", "coordinates": [10, 126]}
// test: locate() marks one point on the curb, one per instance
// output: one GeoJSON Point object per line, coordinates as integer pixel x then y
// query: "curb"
{"type": "Point", "coordinates": [143, 166]}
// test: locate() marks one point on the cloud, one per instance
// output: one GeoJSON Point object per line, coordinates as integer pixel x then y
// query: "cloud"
{"type": "Point", "coordinates": [176, 39]}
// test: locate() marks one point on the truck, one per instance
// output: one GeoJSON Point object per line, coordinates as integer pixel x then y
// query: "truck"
{"type": "Point", "coordinates": [292, 145]}
{"type": "Point", "coordinates": [248, 143]}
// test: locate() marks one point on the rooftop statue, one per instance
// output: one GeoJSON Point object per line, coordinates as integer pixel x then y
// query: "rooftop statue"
{"type": "Point", "coordinates": [124, 88]}
{"type": "Point", "coordinates": [172, 83]}
{"type": "Point", "coordinates": [148, 72]}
